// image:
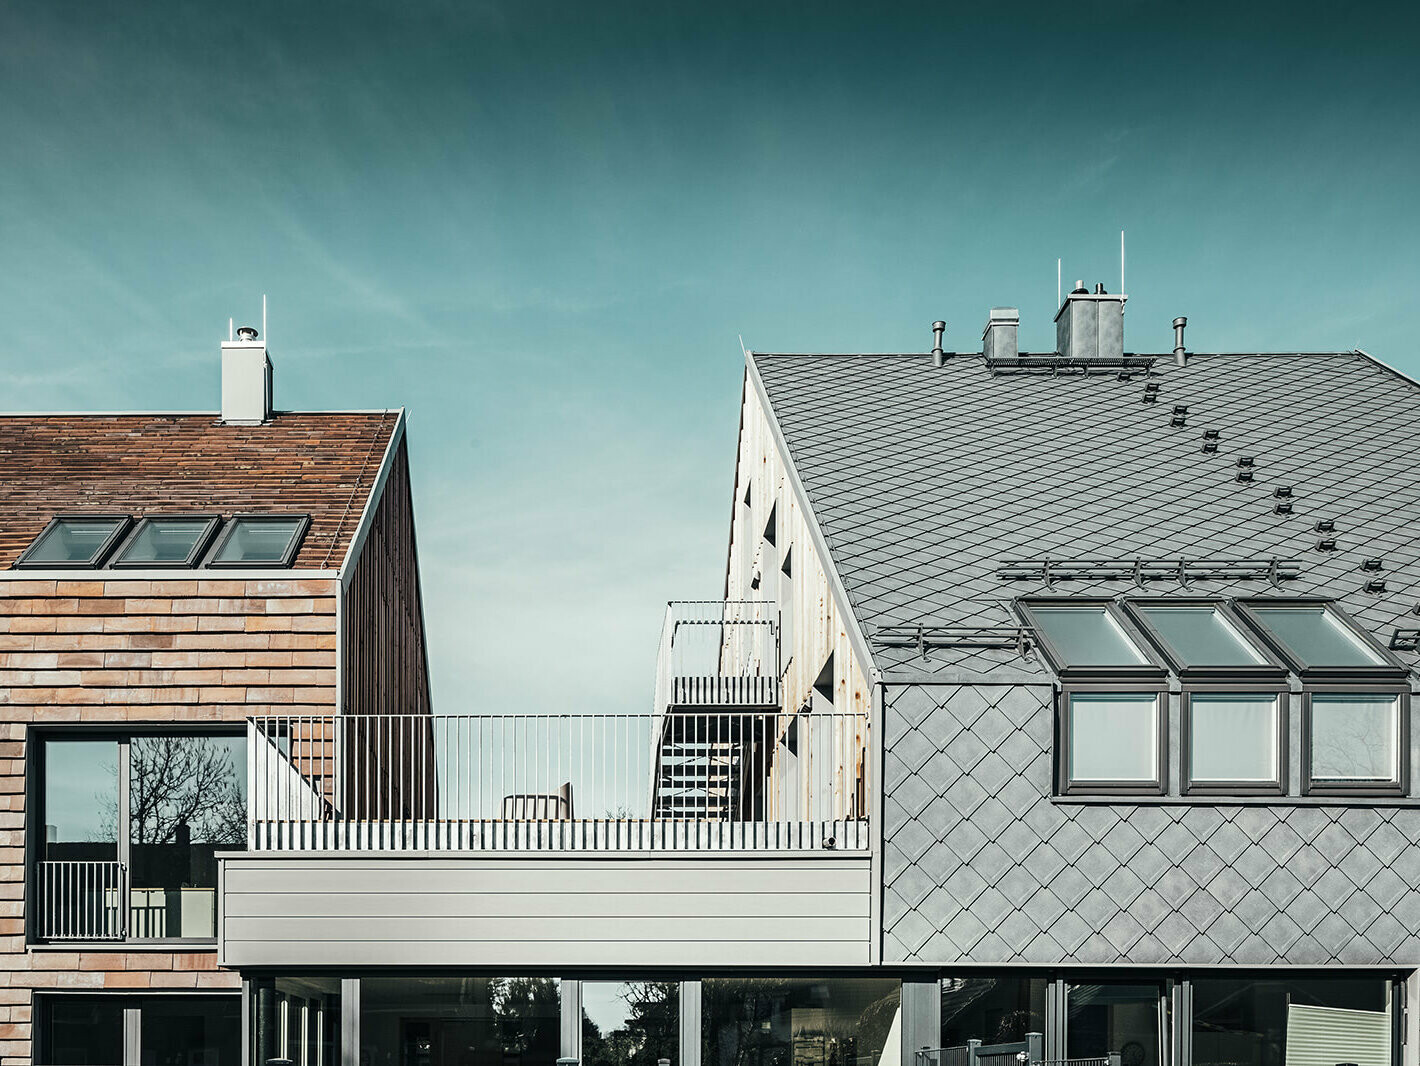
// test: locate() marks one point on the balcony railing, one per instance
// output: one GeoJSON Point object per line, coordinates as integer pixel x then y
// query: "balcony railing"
{"type": "Point", "coordinates": [82, 900]}
{"type": "Point", "coordinates": [718, 653]}
{"type": "Point", "coordinates": [717, 780]}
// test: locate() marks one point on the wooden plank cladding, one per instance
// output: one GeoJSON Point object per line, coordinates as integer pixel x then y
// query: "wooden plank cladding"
{"type": "Point", "coordinates": [115, 650]}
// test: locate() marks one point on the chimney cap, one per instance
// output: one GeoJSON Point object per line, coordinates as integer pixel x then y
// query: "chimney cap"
{"type": "Point", "coordinates": [247, 333]}
{"type": "Point", "coordinates": [1179, 321]}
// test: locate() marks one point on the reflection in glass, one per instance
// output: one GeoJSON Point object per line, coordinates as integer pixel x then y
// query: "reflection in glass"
{"type": "Point", "coordinates": [186, 802]}
{"type": "Point", "coordinates": [1201, 636]}
{"type": "Point", "coordinates": [81, 800]}
{"type": "Point", "coordinates": [162, 541]}
{"type": "Point", "coordinates": [460, 1021]}
{"type": "Point", "coordinates": [1233, 737]}
{"type": "Point", "coordinates": [999, 1009]}
{"type": "Point", "coordinates": [73, 540]}
{"type": "Point", "coordinates": [258, 540]}
{"type": "Point", "coordinates": [630, 1023]}
{"type": "Point", "coordinates": [78, 1030]}
{"type": "Point", "coordinates": [773, 1021]}
{"type": "Point", "coordinates": [1317, 637]}
{"type": "Point", "coordinates": [297, 1018]}
{"type": "Point", "coordinates": [1108, 1017]}
{"type": "Point", "coordinates": [1088, 636]}
{"type": "Point", "coordinates": [1355, 738]}
{"type": "Point", "coordinates": [1247, 1020]}
{"type": "Point", "coordinates": [191, 1031]}
{"type": "Point", "coordinates": [1114, 736]}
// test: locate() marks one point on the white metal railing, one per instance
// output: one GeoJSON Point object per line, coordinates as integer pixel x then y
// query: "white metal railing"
{"type": "Point", "coordinates": [711, 779]}
{"type": "Point", "coordinates": [82, 900]}
{"type": "Point", "coordinates": [718, 653]}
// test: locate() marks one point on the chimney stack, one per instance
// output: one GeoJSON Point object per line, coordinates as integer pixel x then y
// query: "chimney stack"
{"type": "Point", "coordinates": [246, 380]}
{"type": "Point", "coordinates": [998, 339]}
{"type": "Point", "coordinates": [938, 356]}
{"type": "Point", "coordinates": [1180, 356]}
{"type": "Point", "coordinates": [1090, 325]}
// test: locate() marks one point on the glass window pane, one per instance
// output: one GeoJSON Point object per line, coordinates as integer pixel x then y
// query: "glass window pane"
{"type": "Point", "coordinates": [1201, 636]}
{"type": "Point", "coordinates": [187, 801]}
{"type": "Point", "coordinates": [73, 540]}
{"type": "Point", "coordinates": [1114, 736]}
{"type": "Point", "coordinates": [297, 1018]}
{"type": "Point", "coordinates": [81, 800]}
{"type": "Point", "coordinates": [460, 1021]}
{"type": "Point", "coordinates": [1317, 637]}
{"type": "Point", "coordinates": [258, 540]}
{"type": "Point", "coordinates": [1247, 1021]}
{"type": "Point", "coordinates": [1234, 737]}
{"type": "Point", "coordinates": [995, 1009]}
{"type": "Point", "coordinates": [1088, 636]}
{"type": "Point", "coordinates": [777, 1021]}
{"type": "Point", "coordinates": [78, 1030]}
{"type": "Point", "coordinates": [1108, 1017]}
{"type": "Point", "coordinates": [191, 1031]}
{"type": "Point", "coordinates": [630, 1023]}
{"type": "Point", "coordinates": [1355, 737]}
{"type": "Point", "coordinates": [164, 540]}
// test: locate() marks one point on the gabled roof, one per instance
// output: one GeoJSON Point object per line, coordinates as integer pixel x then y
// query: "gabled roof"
{"type": "Point", "coordinates": [926, 480]}
{"type": "Point", "coordinates": [322, 464]}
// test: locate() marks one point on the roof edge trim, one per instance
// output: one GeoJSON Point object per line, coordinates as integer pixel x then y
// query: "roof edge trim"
{"type": "Point", "coordinates": [193, 414]}
{"type": "Point", "coordinates": [372, 500]}
{"type": "Point", "coordinates": [1386, 366]}
{"type": "Point", "coordinates": [835, 582]}
{"type": "Point", "coordinates": [196, 573]}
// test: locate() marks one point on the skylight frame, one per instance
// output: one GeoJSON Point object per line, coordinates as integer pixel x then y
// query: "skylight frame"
{"type": "Point", "coordinates": [1152, 669]}
{"type": "Point", "coordinates": [235, 522]}
{"type": "Point", "coordinates": [1271, 669]}
{"type": "Point", "coordinates": [203, 542]}
{"type": "Point", "coordinates": [1253, 611]}
{"type": "Point", "coordinates": [26, 561]}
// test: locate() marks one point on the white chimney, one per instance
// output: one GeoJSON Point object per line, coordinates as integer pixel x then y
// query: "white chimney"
{"type": "Point", "coordinates": [246, 380]}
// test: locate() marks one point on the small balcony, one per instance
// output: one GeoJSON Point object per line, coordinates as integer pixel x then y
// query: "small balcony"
{"type": "Point", "coordinates": [721, 654]}
{"type": "Point", "coordinates": [709, 780]}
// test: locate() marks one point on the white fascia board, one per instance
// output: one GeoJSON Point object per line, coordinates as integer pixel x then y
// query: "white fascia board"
{"type": "Point", "coordinates": [372, 502]}
{"type": "Point", "coordinates": [226, 573]}
{"type": "Point", "coordinates": [835, 582]}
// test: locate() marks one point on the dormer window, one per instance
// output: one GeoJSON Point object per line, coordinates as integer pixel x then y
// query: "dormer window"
{"type": "Point", "coordinates": [260, 541]}
{"type": "Point", "coordinates": [74, 542]}
{"type": "Point", "coordinates": [176, 541]}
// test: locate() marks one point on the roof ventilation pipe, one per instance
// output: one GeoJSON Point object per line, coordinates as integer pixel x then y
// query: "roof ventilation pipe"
{"type": "Point", "coordinates": [1090, 325]}
{"type": "Point", "coordinates": [1179, 355]}
{"type": "Point", "coordinates": [998, 339]}
{"type": "Point", "coordinates": [938, 356]}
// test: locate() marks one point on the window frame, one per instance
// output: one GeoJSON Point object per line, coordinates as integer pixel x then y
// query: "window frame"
{"type": "Point", "coordinates": [199, 548]}
{"type": "Point", "coordinates": [1271, 669]}
{"type": "Point", "coordinates": [1065, 742]}
{"type": "Point", "coordinates": [1153, 669]}
{"type": "Point", "coordinates": [1389, 669]}
{"type": "Point", "coordinates": [36, 775]}
{"type": "Point", "coordinates": [1400, 786]}
{"type": "Point", "coordinates": [1193, 787]}
{"type": "Point", "coordinates": [24, 560]}
{"type": "Point", "coordinates": [231, 526]}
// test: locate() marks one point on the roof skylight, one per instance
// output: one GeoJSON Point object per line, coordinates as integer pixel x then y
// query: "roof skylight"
{"type": "Point", "coordinates": [1199, 635]}
{"type": "Point", "coordinates": [74, 542]}
{"type": "Point", "coordinates": [175, 541]}
{"type": "Point", "coordinates": [1315, 636]}
{"type": "Point", "coordinates": [1087, 635]}
{"type": "Point", "coordinates": [260, 540]}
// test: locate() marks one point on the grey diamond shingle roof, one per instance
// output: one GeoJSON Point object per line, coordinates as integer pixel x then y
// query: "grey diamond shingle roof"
{"type": "Point", "coordinates": [925, 480]}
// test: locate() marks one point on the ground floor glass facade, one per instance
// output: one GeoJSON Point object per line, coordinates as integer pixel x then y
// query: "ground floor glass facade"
{"type": "Point", "coordinates": [116, 1029]}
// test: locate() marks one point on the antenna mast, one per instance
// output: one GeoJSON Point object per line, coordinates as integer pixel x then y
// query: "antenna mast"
{"type": "Point", "coordinates": [1058, 295]}
{"type": "Point", "coordinates": [1121, 261]}
{"type": "Point", "coordinates": [263, 313]}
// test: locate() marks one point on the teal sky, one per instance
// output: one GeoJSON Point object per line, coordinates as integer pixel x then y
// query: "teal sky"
{"type": "Point", "coordinates": [542, 226]}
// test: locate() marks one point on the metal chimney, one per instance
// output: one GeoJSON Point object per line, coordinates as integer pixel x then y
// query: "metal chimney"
{"type": "Point", "coordinates": [1090, 325]}
{"type": "Point", "coordinates": [998, 339]}
{"type": "Point", "coordinates": [246, 380]}
{"type": "Point", "coordinates": [1179, 355]}
{"type": "Point", "coordinates": [938, 356]}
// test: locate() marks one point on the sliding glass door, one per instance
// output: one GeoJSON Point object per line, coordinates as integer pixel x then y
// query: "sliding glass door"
{"type": "Point", "coordinates": [1116, 1016]}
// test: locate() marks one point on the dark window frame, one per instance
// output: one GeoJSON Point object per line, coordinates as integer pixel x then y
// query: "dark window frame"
{"type": "Point", "coordinates": [1064, 741]}
{"type": "Point", "coordinates": [96, 562]}
{"type": "Point", "coordinates": [1154, 669]}
{"type": "Point", "coordinates": [131, 1002]}
{"type": "Point", "coordinates": [1358, 789]}
{"type": "Point", "coordinates": [193, 558]}
{"type": "Point", "coordinates": [35, 776]}
{"type": "Point", "coordinates": [1389, 669]}
{"type": "Point", "coordinates": [1271, 669]}
{"type": "Point", "coordinates": [1193, 787]}
{"type": "Point", "coordinates": [233, 523]}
